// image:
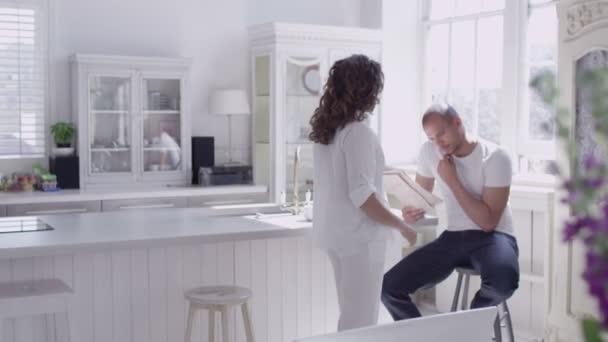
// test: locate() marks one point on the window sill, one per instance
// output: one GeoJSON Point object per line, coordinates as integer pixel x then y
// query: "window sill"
{"type": "Point", "coordinates": [537, 181]}
{"type": "Point", "coordinates": [22, 156]}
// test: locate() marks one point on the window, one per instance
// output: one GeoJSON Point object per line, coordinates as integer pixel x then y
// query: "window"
{"type": "Point", "coordinates": [472, 61]}
{"type": "Point", "coordinates": [538, 129]}
{"type": "Point", "coordinates": [23, 65]}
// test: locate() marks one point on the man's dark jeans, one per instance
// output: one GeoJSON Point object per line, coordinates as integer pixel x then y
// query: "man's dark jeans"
{"type": "Point", "coordinates": [493, 255]}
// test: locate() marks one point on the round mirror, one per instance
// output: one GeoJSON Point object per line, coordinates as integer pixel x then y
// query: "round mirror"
{"type": "Point", "coordinates": [311, 79]}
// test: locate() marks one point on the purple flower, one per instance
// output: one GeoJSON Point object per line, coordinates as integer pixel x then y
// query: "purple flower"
{"type": "Point", "coordinates": [593, 183]}
{"type": "Point", "coordinates": [590, 162]}
{"type": "Point", "coordinates": [573, 228]}
{"type": "Point", "coordinates": [596, 276]}
{"type": "Point", "coordinates": [573, 197]}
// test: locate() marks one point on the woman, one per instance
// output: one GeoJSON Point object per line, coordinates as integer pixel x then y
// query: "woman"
{"type": "Point", "coordinates": [351, 215]}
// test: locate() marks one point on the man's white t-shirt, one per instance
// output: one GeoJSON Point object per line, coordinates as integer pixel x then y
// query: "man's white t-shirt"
{"type": "Point", "coordinates": [347, 171]}
{"type": "Point", "coordinates": [487, 166]}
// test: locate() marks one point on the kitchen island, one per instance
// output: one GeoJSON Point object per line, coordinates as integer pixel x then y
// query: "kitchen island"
{"type": "Point", "coordinates": [129, 271]}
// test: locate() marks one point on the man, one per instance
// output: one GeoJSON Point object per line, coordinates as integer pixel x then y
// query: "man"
{"type": "Point", "coordinates": [474, 179]}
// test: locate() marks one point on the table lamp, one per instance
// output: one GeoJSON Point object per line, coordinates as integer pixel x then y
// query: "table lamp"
{"type": "Point", "coordinates": [229, 102]}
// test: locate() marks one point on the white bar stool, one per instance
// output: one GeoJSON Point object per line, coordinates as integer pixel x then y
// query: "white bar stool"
{"type": "Point", "coordinates": [219, 299]}
{"type": "Point", "coordinates": [466, 273]}
{"type": "Point", "coordinates": [36, 297]}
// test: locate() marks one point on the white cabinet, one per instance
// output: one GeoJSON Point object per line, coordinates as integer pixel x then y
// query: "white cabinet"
{"type": "Point", "coordinates": [223, 200]}
{"type": "Point", "coordinates": [30, 209]}
{"type": "Point", "coordinates": [144, 203]}
{"type": "Point", "coordinates": [133, 120]}
{"type": "Point", "coordinates": [290, 64]}
{"type": "Point", "coordinates": [583, 46]}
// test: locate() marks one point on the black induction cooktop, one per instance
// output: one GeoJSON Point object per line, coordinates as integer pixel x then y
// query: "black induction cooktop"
{"type": "Point", "coordinates": [22, 224]}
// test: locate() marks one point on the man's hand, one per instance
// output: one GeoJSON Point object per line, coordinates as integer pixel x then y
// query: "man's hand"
{"type": "Point", "coordinates": [447, 170]}
{"type": "Point", "coordinates": [412, 215]}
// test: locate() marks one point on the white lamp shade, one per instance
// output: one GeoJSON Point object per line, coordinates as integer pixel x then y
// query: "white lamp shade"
{"type": "Point", "coordinates": [229, 102]}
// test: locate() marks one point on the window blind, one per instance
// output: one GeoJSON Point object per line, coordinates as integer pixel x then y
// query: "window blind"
{"type": "Point", "coordinates": [23, 62]}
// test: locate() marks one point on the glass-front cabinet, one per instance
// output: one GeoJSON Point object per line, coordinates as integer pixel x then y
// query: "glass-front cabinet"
{"type": "Point", "coordinates": [131, 125]}
{"type": "Point", "coordinates": [109, 114]}
{"type": "Point", "coordinates": [290, 64]}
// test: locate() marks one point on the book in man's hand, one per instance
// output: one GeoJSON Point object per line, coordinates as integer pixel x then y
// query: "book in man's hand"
{"type": "Point", "coordinates": [402, 191]}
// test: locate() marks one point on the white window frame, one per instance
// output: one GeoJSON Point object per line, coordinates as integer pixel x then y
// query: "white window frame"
{"type": "Point", "coordinates": [515, 84]}
{"type": "Point", "coordinates": [537, 149]}
{"type": "Point", "coordinates": [42, 10]}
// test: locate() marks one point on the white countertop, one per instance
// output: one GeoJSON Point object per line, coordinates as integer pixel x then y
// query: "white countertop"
{"type": "Point", "coordinates": [107, 194]}
{"type": "Point", "coordinates": [74, 233]}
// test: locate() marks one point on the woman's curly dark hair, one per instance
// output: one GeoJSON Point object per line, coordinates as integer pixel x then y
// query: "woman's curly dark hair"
{"type": "Point", "coordinates": [351, 91]}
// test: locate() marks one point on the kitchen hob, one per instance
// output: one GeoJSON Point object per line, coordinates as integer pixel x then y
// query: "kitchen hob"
{"type": "Point", "coordinates": [22, 224]}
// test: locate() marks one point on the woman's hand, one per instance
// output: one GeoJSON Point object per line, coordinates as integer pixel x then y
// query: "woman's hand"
{"type": "Point", "coordinates": [409, 234]}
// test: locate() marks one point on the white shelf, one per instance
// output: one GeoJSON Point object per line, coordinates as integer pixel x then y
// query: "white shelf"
{"type": "Point", "coordinates": [161, 112]}
{"type": "Point", "coordinates": [115, 112]}
{"type": "Point", "coordinates": [301, 142]}
{"type": "Point", "coordinates": [110, 149]}
{"type": "Point", "coordinates": [162, 148]}
{"type": "Point", "coordinates": [303, 95]}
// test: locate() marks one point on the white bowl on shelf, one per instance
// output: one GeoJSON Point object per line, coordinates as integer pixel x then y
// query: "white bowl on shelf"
{"type": "Point", "coordinates": [63, 151]}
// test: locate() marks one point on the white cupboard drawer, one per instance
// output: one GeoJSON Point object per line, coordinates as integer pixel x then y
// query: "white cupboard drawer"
{"type": "Point", "coordinates": [148, 203]}
{"type": "Point", "coordinates": [53, 208]}
{"type": "Point", "coordinates": [232, 199]}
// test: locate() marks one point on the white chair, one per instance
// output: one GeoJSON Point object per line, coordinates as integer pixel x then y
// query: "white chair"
{"type": "Point", "coordinates": [219, 299]}
{"type": "Point", "coordinates": [36, 297]}
{"type": "Point", "coordinates": [470, 326]}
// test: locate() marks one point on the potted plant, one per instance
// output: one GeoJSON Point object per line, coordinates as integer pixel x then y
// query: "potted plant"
{"type": "Point", "coordinates": [63, 134]}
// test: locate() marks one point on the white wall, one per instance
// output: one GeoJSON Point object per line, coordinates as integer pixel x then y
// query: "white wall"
{"type": "Point", "coordinates": [321, 12]}
{"type": "Point", "coordinates": [213, 34]}
{"type": "Point", "coordinates": [401, 111]}
{"type": "Point", "coordinates": [371, 14]}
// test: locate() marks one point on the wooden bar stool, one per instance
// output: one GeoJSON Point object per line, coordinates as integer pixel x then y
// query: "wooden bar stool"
{"type": "Point", "coordinates": [36, 297]}
{"type": "Point", "coordinates": [219, 299]}
{"type": "Point", "coordinates": [465, 274]}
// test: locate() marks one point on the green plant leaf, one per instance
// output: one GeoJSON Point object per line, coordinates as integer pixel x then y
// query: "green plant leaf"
{"type": "Point", "coordinates": [591, 330]}
{"type": "Point", "coordinates": [63, 132]}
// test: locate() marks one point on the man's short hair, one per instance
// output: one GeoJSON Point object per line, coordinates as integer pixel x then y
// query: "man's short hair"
{"type": "Point", "coordinates": [443, 109]}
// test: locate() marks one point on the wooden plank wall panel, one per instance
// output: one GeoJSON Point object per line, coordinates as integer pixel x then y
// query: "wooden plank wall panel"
{"type": "Point", "coordinates": [259, 310]}
{"type": "Point", "coordinates": [176, 306]}
{"type": "Point", "coordinates": [64, 269]}
{"type": "Point", "coordinates": [289, 284]}
{"type": "Point", "coordinates": [242, 274]}
{"type": "Point", "coordinates": [192, 273]}
{"type": "Point", "coordinates": [275, 291]}
{"type": "Point", "coordinates": [304, 282]}
{"type": "Point", "coordinates": [102, 295]}
{"type": "Point", "coordinates": [121, 296]}
{"type": "Point", "coordinates": [225, 274]}
{"type": "Point", "coordinates": [23, 269]}
{"type": "Point", "coordinates": [140, 296]}
{"type": "Point", "coordinates": [157, 259]}
{"type": "Point", "coordinates": [137, 295]}
{"type": "Point", "coordinates": [6, 275]}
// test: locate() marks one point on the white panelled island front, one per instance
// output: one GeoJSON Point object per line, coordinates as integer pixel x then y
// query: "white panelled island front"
{"type": "Point", "coordinates": [129, 271]}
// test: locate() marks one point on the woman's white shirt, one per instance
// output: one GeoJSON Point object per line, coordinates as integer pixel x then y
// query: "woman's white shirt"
{"type": "Point", "coordinates": [346, 172]}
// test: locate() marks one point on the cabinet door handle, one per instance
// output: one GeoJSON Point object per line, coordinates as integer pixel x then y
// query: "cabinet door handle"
{"type": "Point", "coordinates": [147, 206]}
{"type": "Point", "coordinates": [226, 202]}
{"type": "Point", "coordinates": [58, 211]}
